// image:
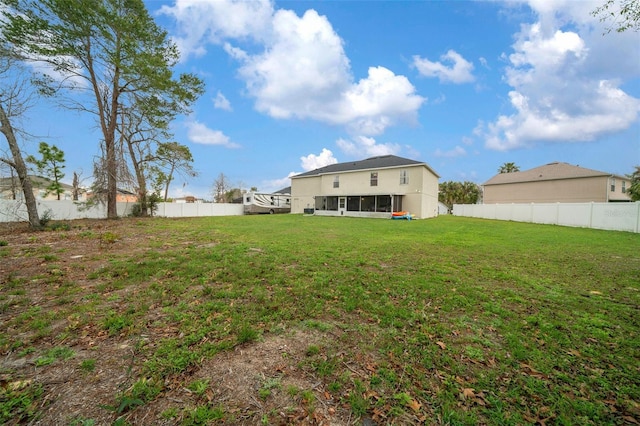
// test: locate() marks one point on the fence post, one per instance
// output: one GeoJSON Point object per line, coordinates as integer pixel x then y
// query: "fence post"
{"type": "Point", "coordinates": [637, 216]}
{"type": "Point", "coordinates": [591, 215]}
{"type": "Point", "coordinates": [531, 212]}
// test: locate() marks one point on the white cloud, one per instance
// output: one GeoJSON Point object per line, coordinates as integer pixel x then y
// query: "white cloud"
{"type": "Point", "coordinates": [201, 134]}
{"type": "Point", "coordinates": [202, 22]}
{"type": "Point", "coordinates": [610, 110]}
{"type": "Point", "coordinates": [565, 86]}
{"type": "Point", "coordinates": [362, 146]}
{"type": "Point", "coordinates": [302, 69]}
{"type": "Point", "coordinates": [295, 66]}
{"type": "Point", "coordinates": [312, 161]}
{"type": "Point", "coordinates": [467, 140]}
{"type": "Point", "coordinates": [458, 151]}
{"type": "Point", "coordinates": [459, 71]}
{"type": "Point", "coordinates": [221, 102]}
{"type": "Point", "coordinates": [379, 101]}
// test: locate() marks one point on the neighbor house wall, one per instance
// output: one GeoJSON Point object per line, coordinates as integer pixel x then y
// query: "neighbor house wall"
{"type": "Point", "coordinates": [617, 194]}
{"type": "Point", "coordinates": [578, 190]}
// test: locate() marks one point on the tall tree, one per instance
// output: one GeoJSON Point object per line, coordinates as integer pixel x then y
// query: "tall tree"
{"type": "Point", "coordinates": [451, 193]}
{"type": "Point", "coordinates": [508, 168]}
{"type": "Point", "coordinates": [625, 14]}
{"type": "Point", "coordinates": [76, 186]}
{"type": "Point", "coordinates": [220, 188]}
{"type": "Point", "coordinates": [111, 50]}
{"type": "Point", "coordinates": [14, 101]}
{"type": "Point", "coordinates": [634, 188]}
{"type": "Point", "coordinates": [139, 139]}
{"type": "Point", "coordinates": [50, 165]}
{"type": "Point", "coordinates": [172, 158]}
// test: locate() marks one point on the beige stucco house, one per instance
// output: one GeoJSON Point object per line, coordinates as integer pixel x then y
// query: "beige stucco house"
{"type": "Point", "coordinates": [11, 189]}
{"type": "Point", "coordinates": [556, 183]}
{"type": "Point", "coordinates": [374, 187]}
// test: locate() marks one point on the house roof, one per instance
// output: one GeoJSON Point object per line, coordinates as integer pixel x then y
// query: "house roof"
{"type": "Point", "coordinates": [36, 182]}
{"type": "Point", "coordinates": [380, 162]}
{"type": "Point", "coordinates": [284, 191]}
{"type": "Point", "coordinates": [551, 171]}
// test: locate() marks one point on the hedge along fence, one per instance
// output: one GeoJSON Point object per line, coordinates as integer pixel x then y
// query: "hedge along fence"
{"type": "Point", "coordinates": [609, 216]}
{"type": "Point", "coordinates": [16, 211]}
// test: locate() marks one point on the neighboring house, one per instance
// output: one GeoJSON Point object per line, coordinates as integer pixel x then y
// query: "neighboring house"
{"type": "Point", "coordinates": [374, 187]}
{"type": "Point", "coordinates": [122, 196]}
{"type": "Point", "coordinates": [556, 183]}
{"type": "Point", "coordinates": [10, 189]}
{"type": "Point", "coordinates": [187, 199]}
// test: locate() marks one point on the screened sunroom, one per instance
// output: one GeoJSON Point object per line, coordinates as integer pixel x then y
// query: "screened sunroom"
{"type": "Point", "coordinates": [333, 205]}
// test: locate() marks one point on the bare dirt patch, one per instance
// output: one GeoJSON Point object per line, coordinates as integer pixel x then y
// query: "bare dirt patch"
{"type": "Point", "coordinates": [42, 274]}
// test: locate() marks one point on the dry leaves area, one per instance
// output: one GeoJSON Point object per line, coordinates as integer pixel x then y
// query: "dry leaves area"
{"type": "Point", "coordinates": [71, 395]}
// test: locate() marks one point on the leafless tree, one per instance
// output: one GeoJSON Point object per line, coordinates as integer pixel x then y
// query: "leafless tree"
{"type": "Point", "coordinates": [220, 188]}
{"type": "Point", "coordinates": [15, 99]}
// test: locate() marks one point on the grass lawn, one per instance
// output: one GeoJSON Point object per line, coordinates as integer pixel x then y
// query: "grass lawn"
{"type": "Point", "coordinates": [443, 321]}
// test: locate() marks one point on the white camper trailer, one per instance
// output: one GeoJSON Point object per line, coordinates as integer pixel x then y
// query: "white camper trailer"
{"type": "Point", "coordinates": [256, 203]}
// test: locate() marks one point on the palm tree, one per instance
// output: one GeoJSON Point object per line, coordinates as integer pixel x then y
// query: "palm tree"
{"type": "Point", "coordinates": [508, 168]}
{"type": "Point", "coordinates": [634, 189]}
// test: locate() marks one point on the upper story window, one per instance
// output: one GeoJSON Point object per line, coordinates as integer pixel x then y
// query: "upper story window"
{"type": "Point", "coordinates": [624, 187]}
{"type": "Point", "coordinates": [336, 181]}
{"type": "Point", "coordinates": [374, 178]}
{"type": "Point", "coordinates": [613, 184]}
{"type": "Point", "coordinates": [404, 177]}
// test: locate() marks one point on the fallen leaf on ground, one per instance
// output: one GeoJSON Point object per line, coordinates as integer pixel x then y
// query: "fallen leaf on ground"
{"type": "Point", "coordinates": [468, 393]}
{"type": "Point", "coordinates": [414, 405]}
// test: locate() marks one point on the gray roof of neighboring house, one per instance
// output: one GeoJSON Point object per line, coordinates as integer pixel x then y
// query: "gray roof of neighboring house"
{"type": "Point", "coordinates": [551, 171]}
{"type": "Point", "coordinates": [380, 162]}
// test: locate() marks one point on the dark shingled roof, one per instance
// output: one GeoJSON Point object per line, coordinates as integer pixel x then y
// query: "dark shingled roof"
{"type": "Point", "coordinates": [283, 191]}
{"type": "Point", "coordinates": [380, 162]}
{"type": "Point", "coordinates": [551, 171]}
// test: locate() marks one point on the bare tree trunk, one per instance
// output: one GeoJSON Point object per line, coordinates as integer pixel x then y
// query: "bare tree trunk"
{"type": "Point", "coordinates": [142, 181]}
{"type": "Point", "coordinates": [112, 187]}
{"type": "Point", "coordinates": [14, 187]}
{"type": "Point", "coordinates": [108, 114]}
{"type": "Point", "coordinates": [76, 186]}
{"type": "Point", "coordinates": [21, 169]}
{"type": "Point", "coordinates": [169, 178]}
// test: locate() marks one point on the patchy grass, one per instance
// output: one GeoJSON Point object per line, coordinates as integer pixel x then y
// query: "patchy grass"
{"type": "Point", "coordinates": [442, 321]}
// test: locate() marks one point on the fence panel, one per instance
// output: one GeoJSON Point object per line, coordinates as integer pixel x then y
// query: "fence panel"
{"type": "Point", "coordinates": [609, 216]}
{"type": "Point", "coordinates": [15, 211]}
{"type": "Point", "coordinates": [578, 214]}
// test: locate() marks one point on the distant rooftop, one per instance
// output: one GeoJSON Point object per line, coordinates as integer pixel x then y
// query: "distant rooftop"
{"type": "Point", "coordinates": [551, 171]}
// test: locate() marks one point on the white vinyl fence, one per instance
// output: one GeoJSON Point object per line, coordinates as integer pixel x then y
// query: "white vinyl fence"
{"type": "Point", "coordinates": [15, 211]}
{"type": "Point", "coordinates": [610, 216]}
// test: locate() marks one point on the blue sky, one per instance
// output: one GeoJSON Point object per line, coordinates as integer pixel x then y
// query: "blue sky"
{"type": "Point", "coordinates": [463, 86]}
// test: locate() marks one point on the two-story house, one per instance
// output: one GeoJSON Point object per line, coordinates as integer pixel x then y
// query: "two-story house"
{"type": "Point", "coordinates": [374, 187]}
{"type": "Point", "coordinates": [556, 183]}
